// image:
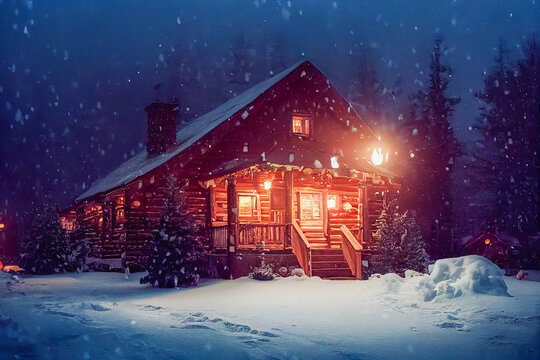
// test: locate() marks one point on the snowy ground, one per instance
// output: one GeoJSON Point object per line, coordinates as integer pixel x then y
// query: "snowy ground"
{"type": "Point", "coordinates": [104, 316]}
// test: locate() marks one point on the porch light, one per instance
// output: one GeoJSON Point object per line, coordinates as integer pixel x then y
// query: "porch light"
{"type": "Point", "coordinates": [136, 203]}
{"type": "Point", "coordinates": [267, 185]}
{"type": "Point", "coordinates": [377, 157]}
{"type": "Point", "coordinates": [487, 241]}
{"type": "Point", "coordinates": [334, 162]}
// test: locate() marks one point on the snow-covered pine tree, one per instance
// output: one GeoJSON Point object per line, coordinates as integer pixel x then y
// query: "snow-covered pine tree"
{"type": "Point", "coordinates": [401, 246]}
{"type": "Point", "coordinates": [175, 259]}
{"type": "Point", "coordinates": [434, 150]}
{"type": "Point", "coordinates": [45, 249]}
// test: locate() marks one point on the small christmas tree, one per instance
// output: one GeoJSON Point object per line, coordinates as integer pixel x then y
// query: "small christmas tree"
{"type": "Point", "coordinates": [176, 247]}
{"type": "Point", "coordinates": [401, 246]}
{"type": "Point", "coordinates": [45, 249]}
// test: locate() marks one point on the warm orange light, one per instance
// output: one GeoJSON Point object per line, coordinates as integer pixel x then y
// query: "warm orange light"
{"type": "Point", "coordinates": [136, 203]}
{"type": "Point", "coordinates": [487, 241]}
{"type": "Point", "coordinates": [377, 157]}
{"type": "Point", "coordinates": [332, 203]}
{"type": "Point", "coordinates": [2, 226]}
{"type": "Point", "coordinates": [267, 184]}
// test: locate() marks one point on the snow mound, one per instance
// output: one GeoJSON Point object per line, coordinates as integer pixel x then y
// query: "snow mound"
{"type": "Point", "coordinates": [464, 275]}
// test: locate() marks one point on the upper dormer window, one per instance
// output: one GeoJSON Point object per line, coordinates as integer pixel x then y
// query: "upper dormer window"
{"type": "Point", "coordinates": [302, 125]}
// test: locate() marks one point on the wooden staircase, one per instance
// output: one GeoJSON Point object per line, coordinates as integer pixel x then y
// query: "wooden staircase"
{"type": "Point", "coordinates": [330, 264]}
{"type": "Point", "coordinates": [315, 235]}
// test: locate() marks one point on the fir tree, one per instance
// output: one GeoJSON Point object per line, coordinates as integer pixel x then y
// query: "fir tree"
{"type": "Point", "coordinates": [45, 249]}
{"type": "Point", "coordinates": [175, 259]}
{"type": "Point", "coordinates": [433, 152]}
{"type": "Point", "coordinates": [509, 126]}
{"type": "Point", "coordinates": [401, 246]}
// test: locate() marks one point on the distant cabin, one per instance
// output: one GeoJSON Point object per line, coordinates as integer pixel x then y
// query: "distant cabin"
{"type": "Point", "coordinates": [284, 168]}
{"type": "Point", "coordinates": [501, 248]}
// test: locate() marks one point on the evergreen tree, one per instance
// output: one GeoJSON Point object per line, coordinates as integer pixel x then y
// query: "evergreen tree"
{"type": "Point", "coordinates": [401, 246]}
{"type": "Point", "coordinates": [433, 151]}
{"type": "Point", "coordinates": [243, 69]}
{"type": "Point", "coordinates": [175, 259]}
{"type": "Point", "coordinates": [45, 249]}
{"type": "Point", "coordinates": [509, 126]}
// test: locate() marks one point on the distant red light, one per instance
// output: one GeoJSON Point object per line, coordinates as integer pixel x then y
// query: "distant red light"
{"type": "Point", "coordinates": [487, 241]}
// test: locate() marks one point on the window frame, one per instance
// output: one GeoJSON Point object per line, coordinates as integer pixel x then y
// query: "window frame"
{"type": "Point", "coordinates": [306, 118]}
{"type": "Point", "coordinates": [255, 215]}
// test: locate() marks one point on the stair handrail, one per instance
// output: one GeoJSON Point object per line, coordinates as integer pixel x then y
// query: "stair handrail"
{"type": "Point", "coordinates": [352, 251]}
{"type": "Point", "coordinates": [301, 247]}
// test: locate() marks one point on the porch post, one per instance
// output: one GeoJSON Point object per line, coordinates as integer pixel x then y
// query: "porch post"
{"type": "Point", "coordinates": [211, 213]}
{"type": "Point", "coordinates": [365, 215]}
{"type": "Point", "coordinates": [288, 204]}
{"type": "Point", "coordinates": [232, 222]}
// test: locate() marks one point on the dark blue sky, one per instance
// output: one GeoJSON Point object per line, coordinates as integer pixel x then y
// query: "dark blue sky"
{"type": "Point", "coordinates": [75, 75]}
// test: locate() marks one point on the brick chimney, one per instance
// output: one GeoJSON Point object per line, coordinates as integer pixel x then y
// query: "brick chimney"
{"type": "Point", "coordinates": [161, 128]}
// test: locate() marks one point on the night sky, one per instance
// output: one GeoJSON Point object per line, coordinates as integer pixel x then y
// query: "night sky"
{"type": "Point", "coordinates": [76, 75]}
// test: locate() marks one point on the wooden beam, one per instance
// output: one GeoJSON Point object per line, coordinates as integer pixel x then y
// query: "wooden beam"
{"type": "Point", "coordinates": [232, 221]}
{"type": "Point", "coordinates": [289, 197]}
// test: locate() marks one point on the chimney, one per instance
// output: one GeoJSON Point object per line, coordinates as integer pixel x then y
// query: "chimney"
{"type": "Point", "coordinates": [161, 128]}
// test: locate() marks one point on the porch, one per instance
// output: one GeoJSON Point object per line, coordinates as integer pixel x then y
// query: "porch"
{"type": "Point", "coordinates": [325, 220]}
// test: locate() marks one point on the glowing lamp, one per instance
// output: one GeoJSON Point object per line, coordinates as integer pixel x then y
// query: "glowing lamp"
{"type": "Point", "coordinates": [267, 185]}
{"type": "Point", "coordinates": [377, 157]}
{"type": "Point", "coordinates": [2, 227]}
{"type": "Point", "coordinates": [136, 203]}
{"type": "Point", "coordinates": [487, 241]}
{"type": "Point", "coordinates": [334, 162]}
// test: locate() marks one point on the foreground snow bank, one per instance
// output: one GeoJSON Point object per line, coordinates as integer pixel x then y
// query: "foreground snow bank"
{"type": "Point", "coordinates": [464, 275]}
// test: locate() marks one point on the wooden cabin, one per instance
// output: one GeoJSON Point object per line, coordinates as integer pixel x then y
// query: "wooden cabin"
{"type": "Point", "coordinates": [501, 248]}
{"type": "Point", "coordinates": [287, 168]}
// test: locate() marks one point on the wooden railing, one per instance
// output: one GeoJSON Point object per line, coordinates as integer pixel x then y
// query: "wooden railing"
{"type": "Point", "coordinates": [352, 251]}
{"type": "Point", "coordinates": [268, 236]}
{"type": "Point", "coordinates": [219, 236]}
{"type": "Point", "coordinates": [301, 247]}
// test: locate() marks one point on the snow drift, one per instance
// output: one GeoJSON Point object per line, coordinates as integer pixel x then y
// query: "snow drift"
{"type": "Point", "coordinates": [464, 275]}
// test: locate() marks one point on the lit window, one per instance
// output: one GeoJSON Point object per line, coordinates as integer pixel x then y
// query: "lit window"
{"type": "Point", "coordinates": [67, 223]}
{"type": "Point", "coordinates": [119, 209]}
{"type": "Point", "coordinates": [248, 205]}
{"type": "Point", "coordinates": [301, 125]}
{"type": "Point", "coordinates": [332, 201]}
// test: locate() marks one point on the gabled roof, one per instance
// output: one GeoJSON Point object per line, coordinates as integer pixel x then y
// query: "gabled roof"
{"type": "Point", "coordinates": [504, 238]}
{"type": "Point", "coordinates": [196, 129]}
{"type": "Point", "coordinates": [140, 164]}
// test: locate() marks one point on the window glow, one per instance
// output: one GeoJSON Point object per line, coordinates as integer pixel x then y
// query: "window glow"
{"type": "Point", "coordinates": [248, 205]}
{"type": "Point", "coordinates": [334, 162]}
{"type": "Point", "coordinates": [332, 201]}
{"type": "Point", "coordinates": [301, 125]}
{"type": "Point", "coordinates": [267, 185]}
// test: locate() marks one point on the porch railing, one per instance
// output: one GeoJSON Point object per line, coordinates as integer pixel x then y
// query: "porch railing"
{"type": "Point", "coordinates": [219, 236]}
{"type": "Point", "coordinates": [352, 251]}
{"type": "Point", "coordinates": [301, 247]}
{"type": "Point", "coordinates": [266, 236]}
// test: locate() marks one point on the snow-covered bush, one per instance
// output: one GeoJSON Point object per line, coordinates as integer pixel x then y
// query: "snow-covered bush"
{"type": "Point", "coordinates": [46, 249]}
{"type": "Point", "coordinates": [175, 259]}
{"type": "Point", "coordinates": [401, 245]}
{"type": "Point", "coordinates": [455, 277]}
{"type": "Point", "coordinates": [264, 272]}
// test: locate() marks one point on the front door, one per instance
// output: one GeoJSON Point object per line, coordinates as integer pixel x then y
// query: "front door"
{"type": "Point", "coordinates": [311, 209]}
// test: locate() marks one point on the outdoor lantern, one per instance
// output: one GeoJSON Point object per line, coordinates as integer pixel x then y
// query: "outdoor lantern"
{"type": "Point", "coordinates": [377, 157]}
{"type": "Point", "coordinates": [267, 184]}
{"type": "Point", "coordinates": [487, 241]}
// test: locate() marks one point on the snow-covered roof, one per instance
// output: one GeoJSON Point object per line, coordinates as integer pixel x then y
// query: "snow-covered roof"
{"type": "Point", "coordinates": [140, 164]}
{"type": "Point", "coordinates": [505, 238]}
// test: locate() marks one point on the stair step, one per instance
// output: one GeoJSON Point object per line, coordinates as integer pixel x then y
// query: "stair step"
{"type": "Point", "coordinates": [327, 251]}
{"type": "Point", "coordinates": [314, 234]}
{"type": "Point", "coordinates": [329, 265]}
{"type": "Point", "coordinates": [340, 278]}
{"type": "Point", "coordinates": [324, 257]}
{"type": "Point", "coordinates": [324, 273]}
